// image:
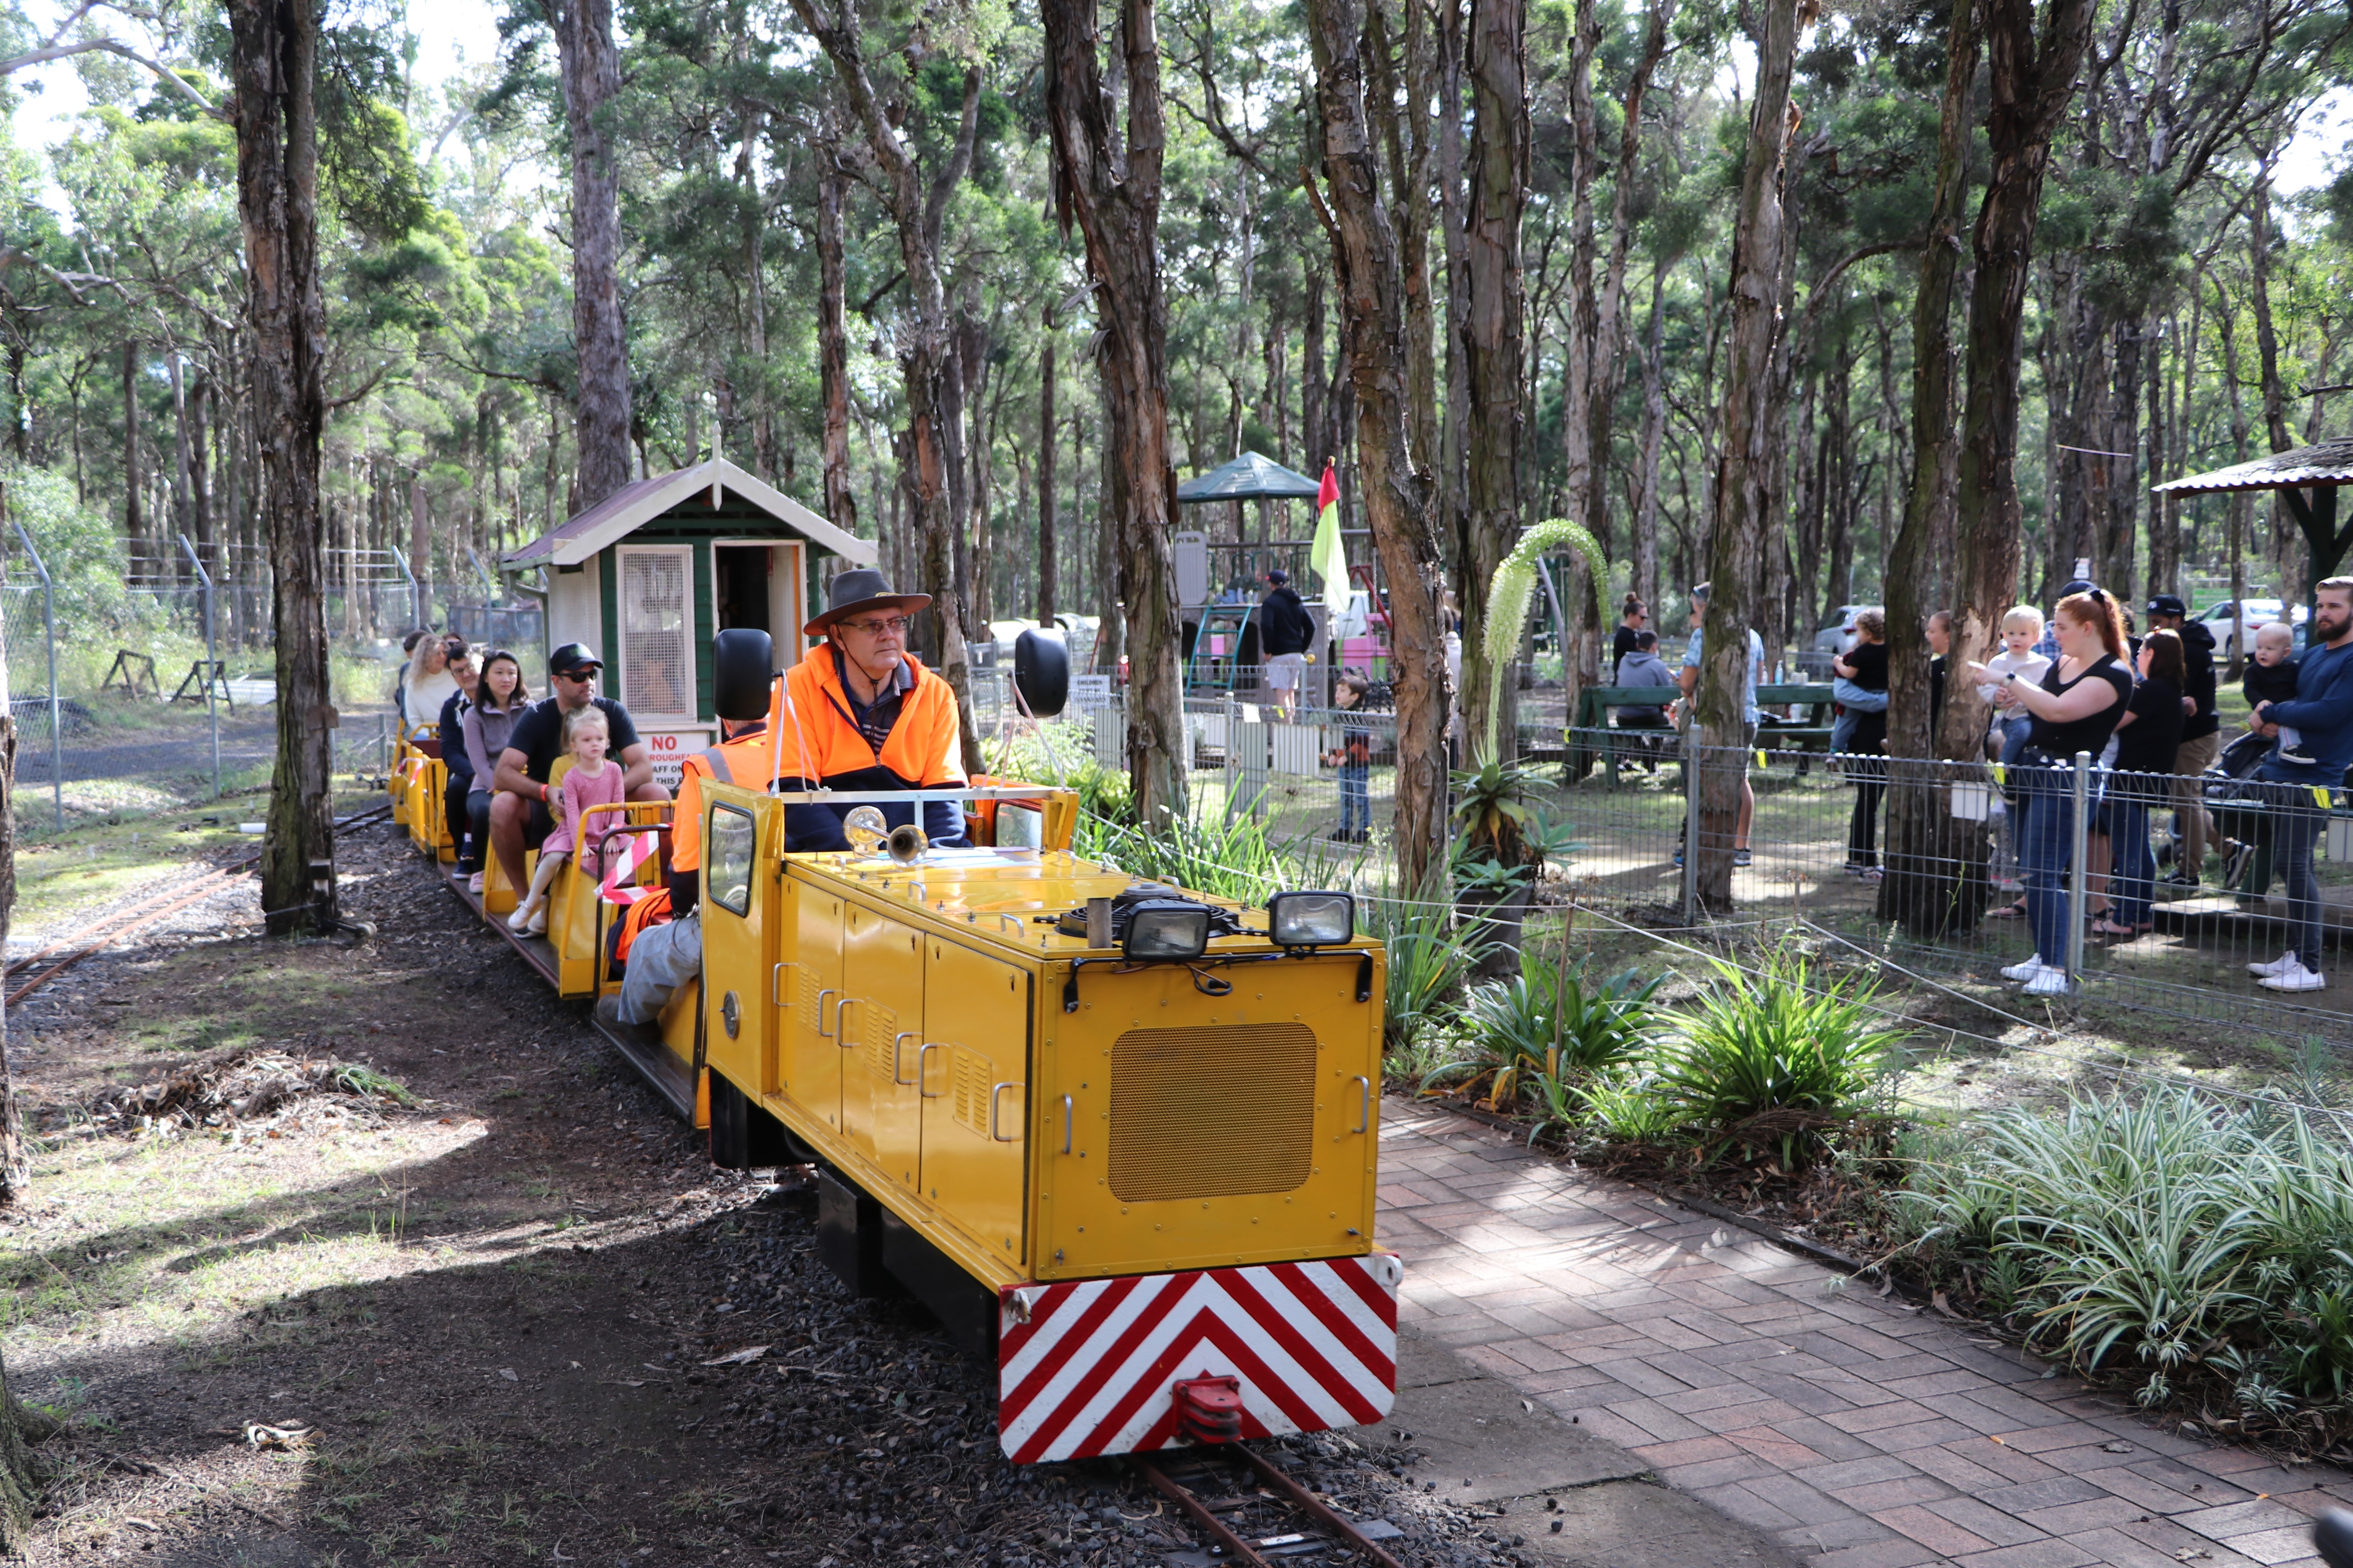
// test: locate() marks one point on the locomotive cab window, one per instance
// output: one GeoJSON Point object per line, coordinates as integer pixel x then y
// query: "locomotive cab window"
{"type": "Point", "coordinates": [728, 858]}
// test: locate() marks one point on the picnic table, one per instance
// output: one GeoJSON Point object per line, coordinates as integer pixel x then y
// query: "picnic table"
{"type": "Point", "coordinates": [1594, 736]}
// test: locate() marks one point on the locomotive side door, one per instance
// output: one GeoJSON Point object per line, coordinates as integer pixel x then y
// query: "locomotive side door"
{"type": "Point", "coordinates": [973, 1077]}
{"type": "Point", "coordinates": [739, 932]}
{"type": "Point", "coordinates": [882, 972]}
{"type": "Point", "coordinates": [813, 1059]}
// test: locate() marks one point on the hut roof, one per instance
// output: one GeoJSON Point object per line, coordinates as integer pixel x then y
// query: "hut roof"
{"type": "Point", "coordinates": [640, 502]}
{"type": "Point", "coordinates": [2328, 464]}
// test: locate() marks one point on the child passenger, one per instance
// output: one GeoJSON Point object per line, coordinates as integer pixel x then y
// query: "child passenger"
{"type": "Point", "coordinates": [592, 781]}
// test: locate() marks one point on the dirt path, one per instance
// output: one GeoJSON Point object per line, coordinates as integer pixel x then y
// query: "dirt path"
{"type": "Point", "coordinates": [493, 1314]}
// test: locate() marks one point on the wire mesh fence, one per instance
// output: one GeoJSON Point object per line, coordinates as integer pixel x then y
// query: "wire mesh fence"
{"type": "Point", "coordinates": [1954, 878]}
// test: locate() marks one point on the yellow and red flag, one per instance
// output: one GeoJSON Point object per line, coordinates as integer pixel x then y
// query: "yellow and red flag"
{"type": "Point", "coordinates": [1327, 557]}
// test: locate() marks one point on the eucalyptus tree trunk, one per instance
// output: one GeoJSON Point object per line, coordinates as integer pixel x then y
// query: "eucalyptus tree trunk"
{"type": "Point", "coordinates": [833, 344]}
{"type": "Point", "coordinates": [1107, 184]}
{"type": "Point", "coordinates": [1925, 851]}
{"type": "Point", "coordinates": [1397, 495]}
{"type": "Point", "coordinates": [929, 368]}
{"type": "Point", "coordinates": [134, 525]}
{"type": "Point", "coordinates": [273, 48]}
{"type": "Point", "coordinates": [1609, 306]}
{"type": "Point", "coordinates": [1577, 371]}
{"type": "Point", "coordinates": [1744, 478]}
{"type": "Point", "coordinates": [1494, 331]}
{"type": "Point", "coordinates": [2031, 80]}
{"type": "Point", "coordinates": [1648, 461]}
{"type": "Point", "coordinates": [591, 69]}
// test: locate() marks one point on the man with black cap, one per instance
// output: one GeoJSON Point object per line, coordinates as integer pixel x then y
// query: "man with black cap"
{"type": "Point", "coordinates": [861, 713]}
{"type": "Point", "coordinates": [2202, 735]}
{"type": "Point", "coordinates": [1285, 632]}
{"type": "Point", "coordinates": [518, 787]}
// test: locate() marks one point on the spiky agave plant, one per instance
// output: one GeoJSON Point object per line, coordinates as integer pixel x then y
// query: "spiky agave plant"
{"type": "Point", "coordinates": [1513, 590]}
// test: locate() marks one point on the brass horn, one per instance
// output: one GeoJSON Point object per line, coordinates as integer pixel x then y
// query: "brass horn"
{"type": "Point", "coordinates": [907, 844]}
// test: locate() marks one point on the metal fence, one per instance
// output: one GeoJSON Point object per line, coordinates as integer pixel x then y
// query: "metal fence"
{"type": "Point", "coordinates": [1914, 867]}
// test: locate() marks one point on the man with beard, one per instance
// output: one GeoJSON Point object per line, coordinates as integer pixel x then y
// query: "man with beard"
{"type": "Point", "coordinates": [2202, 735]}
{"type": "Point", "coordinates": [2322, 711]}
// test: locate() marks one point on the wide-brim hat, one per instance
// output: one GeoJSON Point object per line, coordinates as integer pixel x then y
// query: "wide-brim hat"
{"type": "Point", "coordinates": [861, 589]}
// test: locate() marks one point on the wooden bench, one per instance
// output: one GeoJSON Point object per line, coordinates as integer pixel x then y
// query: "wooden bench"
{"type": "Point", "coordinates": [1594, 708]}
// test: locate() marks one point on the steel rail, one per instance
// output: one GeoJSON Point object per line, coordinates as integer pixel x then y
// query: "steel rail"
{"type": "Point", "coordinates": [204, 886]}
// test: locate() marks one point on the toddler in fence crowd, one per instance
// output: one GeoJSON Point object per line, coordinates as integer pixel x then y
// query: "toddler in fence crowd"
{"type": "Point", "coordinates": [594, 780]}
{"type": "Point", "coordinates": [2022, 629]}
{"type": "Point", "coordinates": [2271, 678]}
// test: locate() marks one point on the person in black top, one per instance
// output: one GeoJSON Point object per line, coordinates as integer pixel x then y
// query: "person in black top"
{"type": "Point", "coordinates": [1940, 654]}
{"type": "Point", "coordinates": [453, 756]}
{"type": "Point", "coordinates": [2075, 710]}
{"type": "Point", "coordinates": [519, 816]}
{"type": "Point", "coordinates": [1865, 664]}
{"type": "Point", "coordinates": [1635, 616]}
{"type": "Point", "coordinates": [2147, 737]}
{"type": "Point", "coordinates": [2201, 737]}
{"type": "Point", "coordinates": [1285, 634]}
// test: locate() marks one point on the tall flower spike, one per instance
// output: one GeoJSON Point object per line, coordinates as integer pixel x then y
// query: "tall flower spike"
{"type": "Point", "coordinates": [1514, 589]}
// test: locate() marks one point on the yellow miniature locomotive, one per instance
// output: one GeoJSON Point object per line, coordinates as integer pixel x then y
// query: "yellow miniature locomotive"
{"type": "Point", "coordinates": [1120, 1137]}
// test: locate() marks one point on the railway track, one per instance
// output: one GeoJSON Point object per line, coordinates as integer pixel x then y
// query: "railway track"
{"type": "Point", "coordinates": [117, 924]}
{"type": "Point", "coordinates": [1255, 1514]}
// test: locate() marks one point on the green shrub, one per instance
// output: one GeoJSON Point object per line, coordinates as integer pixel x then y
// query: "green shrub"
{"type": "Point", "coordinates": [1776, 1055]}
{"type": "Point", "coordinates": [1625, 1105]}
{"type": "Point", "coordinates": [1543, 1019]}
{"type": "Point", "coordinates": [1427, 960]}
{"type": "Point", "coordinates": [2165, 1232]}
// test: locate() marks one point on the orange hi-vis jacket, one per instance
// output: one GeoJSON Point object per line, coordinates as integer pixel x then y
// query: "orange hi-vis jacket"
{"type": "Point", "coordinates": [819, 742]}
{"type": "Point", "coordinates": [742, 761]}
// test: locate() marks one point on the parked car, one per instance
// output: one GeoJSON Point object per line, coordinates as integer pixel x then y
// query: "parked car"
{"type": "Point", "coordinates": [1837, 635]}
{"type": "Point", "coordinates": [2257, 614]}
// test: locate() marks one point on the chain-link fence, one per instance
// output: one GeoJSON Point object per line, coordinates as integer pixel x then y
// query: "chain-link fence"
{"type": "Point", "coordinates": [1951, 877]}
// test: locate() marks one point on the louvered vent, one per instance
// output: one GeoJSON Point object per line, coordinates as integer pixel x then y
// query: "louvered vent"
{"type": "Point", "coordinates": [657, 635]}
{"type": "Point", "coordinates": [1211, 1113]}
{"type": "Point", "coordinates": [968, 1083]}
{"type": "Point", "coordinates": [881, 1030]}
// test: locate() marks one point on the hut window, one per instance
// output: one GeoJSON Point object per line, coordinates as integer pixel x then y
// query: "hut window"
{"type": "Point", "coordinates": [658, 631]}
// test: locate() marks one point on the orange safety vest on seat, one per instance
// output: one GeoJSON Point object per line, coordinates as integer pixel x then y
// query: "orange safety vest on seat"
{"type": "Point", "coordinates": [640, 917]}
{"type": "Point", "coordinates": [742, 761]}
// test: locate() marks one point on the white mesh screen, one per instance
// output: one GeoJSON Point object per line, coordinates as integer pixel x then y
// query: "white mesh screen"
{"type": "Point", "coordinates": [656, 633]}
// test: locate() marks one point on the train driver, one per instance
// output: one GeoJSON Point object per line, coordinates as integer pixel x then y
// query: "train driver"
{"type": "Point", "coordinates": [865, 715]}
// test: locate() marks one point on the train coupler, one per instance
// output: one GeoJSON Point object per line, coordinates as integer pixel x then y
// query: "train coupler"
{"type": "Point", "coordinates": [1209, 1409]}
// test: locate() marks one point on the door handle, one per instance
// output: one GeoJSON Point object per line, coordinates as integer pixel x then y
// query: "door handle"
{"type": "Point", "coordinates": [1066, 1124]}
{"type": "Point", "coordinates": [1364, 1104]}
{"type": "Point", "coordinates": [920, 1052]}
{"type": "Point", "coordinates": [839, 1038]}
{"type": "Point", "coordinates": [995, 1090]}
{"type": "Point", "coordinates": [777, 984]}
{"type": "Point", "coordinates": [905, 1035]}
{"type": "Point", "coordinates": [822, 1032]}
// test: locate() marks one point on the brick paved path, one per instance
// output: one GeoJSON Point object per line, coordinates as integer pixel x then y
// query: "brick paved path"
{"type": "Point", "coordinates": [1864, 1433]}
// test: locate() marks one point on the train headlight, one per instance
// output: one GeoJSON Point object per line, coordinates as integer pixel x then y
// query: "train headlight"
{"type": "Point", "coordinates": [1157, 930]}
{"type": "Point", "coordinates": [1310, 919]}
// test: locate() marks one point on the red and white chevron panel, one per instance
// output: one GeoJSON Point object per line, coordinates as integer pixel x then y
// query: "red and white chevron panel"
{"type": "Point", "coordinates": [1088, 1367]}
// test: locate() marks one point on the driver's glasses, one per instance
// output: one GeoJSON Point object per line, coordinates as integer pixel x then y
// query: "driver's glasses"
{"type": "Point", "coordinates": [879, 626]}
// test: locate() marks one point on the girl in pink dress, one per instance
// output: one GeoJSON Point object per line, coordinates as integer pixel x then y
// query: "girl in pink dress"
{"type": "Point", "coordinates": [594, 780]}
